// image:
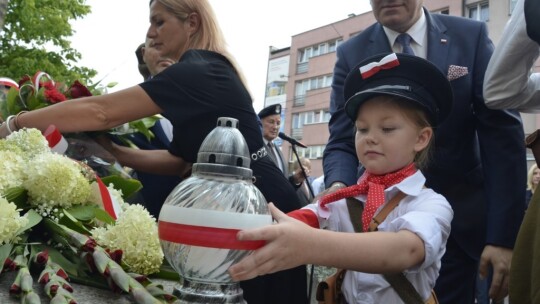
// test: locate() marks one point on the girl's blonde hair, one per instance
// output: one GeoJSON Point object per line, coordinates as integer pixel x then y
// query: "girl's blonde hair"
{"type": "Point", "coordinates": [209, 36]}
{"type": "Point", "coordinates": [530, 185]}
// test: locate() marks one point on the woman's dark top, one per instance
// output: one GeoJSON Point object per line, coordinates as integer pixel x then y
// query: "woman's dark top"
{"type": "Point", "coordinates": [193, 94]}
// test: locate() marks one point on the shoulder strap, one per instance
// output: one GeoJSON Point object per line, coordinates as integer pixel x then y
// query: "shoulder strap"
{"type": "Point", "coordinates": [356, 208]}
{"type": "Point", "coordinates": [381, 216]}
{"type": "Point", "coordinates": [398, 281]}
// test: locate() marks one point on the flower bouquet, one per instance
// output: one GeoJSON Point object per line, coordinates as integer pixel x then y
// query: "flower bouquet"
{"type": "Point", "coordinates": [61, 223]}
{"type": "Point", "coordinates": [40, 91]}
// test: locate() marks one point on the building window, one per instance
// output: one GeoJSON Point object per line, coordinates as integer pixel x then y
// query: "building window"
{"type": "Point", "coordinates": [444, 11]}
{"type": "Point", "coordinates": [318, 49]}
{"type": "Point", "coordinates": [311, 152]}
{"type": "Point", "coordinates": [479, 11]}
{"type": "Point", "coordinates": [311, 117]}
{"type": "Point", "coordinates": [301, 87]}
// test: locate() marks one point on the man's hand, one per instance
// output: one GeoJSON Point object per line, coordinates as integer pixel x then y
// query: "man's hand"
{"type": "Point", "coordinates": [499, 260]}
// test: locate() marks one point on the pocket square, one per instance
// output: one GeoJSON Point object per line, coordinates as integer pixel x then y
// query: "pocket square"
{"type": "Point", "coordinates": [456, 71]}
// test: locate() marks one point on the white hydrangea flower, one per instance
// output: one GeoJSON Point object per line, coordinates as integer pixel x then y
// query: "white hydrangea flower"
{"type": "Point", "coordinates": [56, 180]}
{"type": "Point", "coordinates": [12, 173]}
{"type": "Point", "coordinates": [10, 221]}
{"type": "Point", "coordinates": [30, 141]}
{"type": "Point", "coordinates": [135, 233]}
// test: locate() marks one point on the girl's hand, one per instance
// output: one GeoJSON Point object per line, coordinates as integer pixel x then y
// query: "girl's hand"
{"type": "Point", "coordinates": [287, 244]}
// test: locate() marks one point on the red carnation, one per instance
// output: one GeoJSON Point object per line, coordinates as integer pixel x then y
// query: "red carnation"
{"type": "Point", "coordinates": [53, 96]}
{"type": "Point", "coordinates": [24, 80]}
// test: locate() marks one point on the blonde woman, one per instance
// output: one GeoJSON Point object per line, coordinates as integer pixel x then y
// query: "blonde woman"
{"type": "Point", "coordinates": [533, 178]}
{"type": "Point", "coordinates": [201, 86]}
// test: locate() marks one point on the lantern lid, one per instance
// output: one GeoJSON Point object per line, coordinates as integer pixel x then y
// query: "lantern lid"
{"type": "Point", "coordinates": [224, 152]}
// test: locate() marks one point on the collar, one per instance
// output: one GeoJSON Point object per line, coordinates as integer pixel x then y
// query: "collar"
{"type": "Point", "coordinates": [418, 33]}
{"type": "Point", "coordinates": [266, 141]}
{"type": "Point", "coordinates": [411, 186]}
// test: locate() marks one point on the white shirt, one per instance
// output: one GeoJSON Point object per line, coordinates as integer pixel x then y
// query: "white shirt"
{"type": "Point", "coordinates": [423, 212]}
{"type": "Point", "coordinates": [418, 34]}
{"type": "Point", "coordinates": [318, 185]}
{"type": "Point", "coordinates": [507, 84]}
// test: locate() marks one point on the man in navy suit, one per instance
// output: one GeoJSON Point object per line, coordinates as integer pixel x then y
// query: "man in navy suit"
{"type": "Point", "coordinates": [478, 162]}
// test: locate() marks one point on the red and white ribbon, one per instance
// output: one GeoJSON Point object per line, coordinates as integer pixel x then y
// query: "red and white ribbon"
{"type": "Point", "coordinates": [209, 228]}
{"type": "Point", "coordinates": [8, 82]}
{"type": "Point", "coordinates": [108, 203]}
{"type": "Point", "coordinates": [387, 62]}
{"type": "Point", "coordinates": [57, 142]}
{"type": "Point", "coordinates": [37, 78]}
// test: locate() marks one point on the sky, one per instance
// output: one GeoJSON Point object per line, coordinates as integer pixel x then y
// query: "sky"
{"type": "Point", "coordinates": [107, 37]}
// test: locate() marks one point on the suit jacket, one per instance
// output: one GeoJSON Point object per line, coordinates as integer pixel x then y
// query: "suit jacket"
{"type": "Point", "coordinates": [478, 162]}
{"type": "Point", "coordinates": [283, 162]}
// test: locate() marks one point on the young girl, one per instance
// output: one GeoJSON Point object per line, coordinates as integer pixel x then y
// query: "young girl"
{"type": "Point", "coordinates": [394, 102]}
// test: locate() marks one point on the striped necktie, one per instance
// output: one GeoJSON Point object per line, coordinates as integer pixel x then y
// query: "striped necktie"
{"type": "Point", "coordinates": [405, 41]}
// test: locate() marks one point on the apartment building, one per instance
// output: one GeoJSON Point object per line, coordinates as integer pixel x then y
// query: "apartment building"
{"type": "Point", "coordinates": [300, 76]}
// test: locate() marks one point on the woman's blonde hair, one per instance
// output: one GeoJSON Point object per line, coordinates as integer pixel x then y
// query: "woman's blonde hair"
{"type": "Point", "coordinates": [530, 185]}
{"type": "Point", "coordinates": [208, 36]}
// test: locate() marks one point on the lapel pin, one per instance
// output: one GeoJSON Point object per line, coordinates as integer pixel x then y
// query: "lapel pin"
{"type": "Point", "coordinates": [444, 41]}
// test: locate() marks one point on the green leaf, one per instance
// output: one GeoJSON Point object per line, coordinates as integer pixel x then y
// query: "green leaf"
{"type": "Point", "coordinates": [166, 274]}
{"type": "Point", "coordinates": [82, 213]}
{"type": "Point", "coordinates": [33, 219]}
{"type": "Point", "coordinates": [129, 186]}
{"type": "Point", "coordinates": [57, 257]}
{"type": "Point", "coordinates": [5, 252]}
{"type": "Point", "coordinates": [112, 84]}
{"type": "Point", "coordinates": [71, 222]}
{"type": "Point", "coordinates": [18, 196]}
{"type": "Point", "coordinates": [104, 216]}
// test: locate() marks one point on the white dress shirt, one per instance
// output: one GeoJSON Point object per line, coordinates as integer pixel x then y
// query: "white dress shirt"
{"type": "Point", "coordinates": [418, 34]}
{"type": "Point", "coordinates": [423, 212]}
{"type": "Point", "coordinates": [507, 84]}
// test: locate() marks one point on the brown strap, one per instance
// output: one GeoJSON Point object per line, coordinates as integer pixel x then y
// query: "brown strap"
{"type": "Point", "coordinates": [398, 281]}
{"type": "Point", "coordinates": [381, 216]}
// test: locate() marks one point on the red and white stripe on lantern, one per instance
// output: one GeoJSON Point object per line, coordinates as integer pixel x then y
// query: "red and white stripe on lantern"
{"type": "Point", "coordinates": [57, 142]}
{"type": "Point", "coordinates": [209, 228]}
{"type": "Point", "coordinates": [373, 68]}
{"type": "Point", "coordinates": [8, 82]}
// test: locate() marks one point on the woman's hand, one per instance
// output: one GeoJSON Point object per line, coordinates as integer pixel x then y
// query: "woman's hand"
{"type": "Point", "coordinates": [287, 244]}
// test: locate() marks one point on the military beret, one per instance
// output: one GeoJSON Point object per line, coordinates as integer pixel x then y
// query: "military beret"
{"type": "Point", "coordinates": [270, 110]}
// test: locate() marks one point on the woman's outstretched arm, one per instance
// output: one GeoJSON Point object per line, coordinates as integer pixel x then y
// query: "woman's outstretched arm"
{"type": "Point", "coordinates": [90, 113]}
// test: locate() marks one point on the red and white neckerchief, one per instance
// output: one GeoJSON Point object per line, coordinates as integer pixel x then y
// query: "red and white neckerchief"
{"type": "Point", "coordinates": [387, 62]}
{"type": "Point", "coordinates": [374, 186]}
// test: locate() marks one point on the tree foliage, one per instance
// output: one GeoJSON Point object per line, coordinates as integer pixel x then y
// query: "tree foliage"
{"type": "Point", "coordinates": [35, 37]}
